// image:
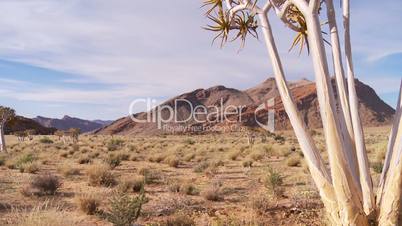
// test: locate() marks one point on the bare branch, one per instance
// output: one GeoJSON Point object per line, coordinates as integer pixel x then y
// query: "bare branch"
{"type": "Point", "coordinates": [314, 5]}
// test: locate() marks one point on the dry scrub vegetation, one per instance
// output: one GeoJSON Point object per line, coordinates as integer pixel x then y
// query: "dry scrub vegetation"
{"type": "Point", "coordinates": [165, 180]}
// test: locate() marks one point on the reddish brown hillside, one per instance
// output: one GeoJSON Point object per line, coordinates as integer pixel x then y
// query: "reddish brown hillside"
{"type": "Point", "coordinates": [374, 112]}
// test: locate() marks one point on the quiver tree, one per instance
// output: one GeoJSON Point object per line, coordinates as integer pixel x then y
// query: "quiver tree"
{"type": "Point", "coordinates": [346, 189]}
{"type": "Point", "coordinates": [5, 115]}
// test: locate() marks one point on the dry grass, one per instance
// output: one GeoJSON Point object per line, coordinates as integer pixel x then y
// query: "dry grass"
{"type": "Point", "coordinates": [176, 174]}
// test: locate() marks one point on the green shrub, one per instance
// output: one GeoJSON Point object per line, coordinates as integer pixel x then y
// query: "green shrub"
{"type": "Point", "coordinates": [377, 167]}
{"type": "Point", "coordinates": [26, 158]}
{"type": "Point", "coordinates": [46, 140]}
{"type": "Point", "coordinates": [29, 167]}
{"type": "Point", "coordinates": [125, 210]}
{"type": "Point", "coordinates": [274, 181]}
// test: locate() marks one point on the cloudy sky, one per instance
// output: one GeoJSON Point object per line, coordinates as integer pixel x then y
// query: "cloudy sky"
{"type": "Point", "coordinates": [91, 58]}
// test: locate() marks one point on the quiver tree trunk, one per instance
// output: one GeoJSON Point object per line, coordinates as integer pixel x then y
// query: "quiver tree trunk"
{"type": "Point", "coordinates": [3, 147]}
{"type": "Point", "coordinates": [347, 194]}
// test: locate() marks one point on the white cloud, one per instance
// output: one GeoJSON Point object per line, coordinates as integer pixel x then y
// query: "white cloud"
{"type": "Point", "coordinates": [155, 49]}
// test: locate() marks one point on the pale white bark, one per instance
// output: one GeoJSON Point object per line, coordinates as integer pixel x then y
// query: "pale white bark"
{"type": "Point", "coordinates": [389, 194]}
{"type": "Point", "coordinates": [3, 147]}
{"type": "Point", "coordinates": [365, 178]}
{"type": "Point", "coordinates": [390, 147]}
{"type": "Point", "coordinates": [313, 158]}
{"type": "Point", "coordinates": [341, 88]}
{"type": "Point", "coordinates": [346, 187]}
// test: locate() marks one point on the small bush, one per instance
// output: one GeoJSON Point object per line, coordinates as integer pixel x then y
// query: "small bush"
{"type": "Point", "coordinates": [114, 144]}
{"type": "Point", "coordinates": [2, 160]}
{"type": "Point", "coordinates": [377, 167]}
{"type": "Point", "coordinates": [88, 204]}
{"type": "Point", "coordinates": [179, 220]}
{"type": "Point", "coordinates": [26, 158]}
{"type": "Point", "coordinates": [84, 160]}
{"type": "Point", "coordinates": [234, 155]}
{"type": "Point", "coordinates": [247, 163]}
{"type": "Point", "coordinates": [67, 170]}
{"type": "Point", "coordinates": [213, 193]}
{"type": "Point", "coordinates": [260, 203]}
{"type": "Point", "coordinates": [273, 182]}
{"type": "Point", "coordinates": [293, 161]}
{"type": "Point", "coordinates": [113, 161]}
{"type": "Point", "coordinates": [43, 185]}
{"type": "Point", "coordinates": [134, 185]}
{"type": "Point", "coordinates": [189, 141]}
{"type": "Point", "coordinates": [125, 210]}
{"type": "Point", "coordinates": [46, 140]}
{"type": "Point", "coordinates": [150, 176]}
{"type": "Point", "coordinates": [201, 167]}
{"type": "Point", "coordinates": [157, 158]}
{"type": "Point", "coordinates": [173, 161]}
{"type": "Point", "coordinates": [100, 175]}
{"type": "Point", "coordinates": [188, 189]}
{"type": "Point", "coordinates": [29, 167]}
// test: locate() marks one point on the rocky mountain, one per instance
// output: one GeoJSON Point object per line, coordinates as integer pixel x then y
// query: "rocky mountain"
{"type": "Point", "coordinates": [20, 123]}
{"type": "Point", "coordinates": [214, 101]}
{"type": "Point", "coordinates": [68, 122]}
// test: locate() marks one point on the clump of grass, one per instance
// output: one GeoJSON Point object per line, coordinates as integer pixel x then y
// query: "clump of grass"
{"type": "Point", "coordinates": [84, 160]}
{"type": "Point", "coordinates": [45, 215]}
{"type": "Point", "coordinates": [247, 163]}
{"type": "Point", "coordinates": [377, 167]}
{"type": "Point", "coordinates": [42, 185]}
{"type": "Point", "coordinates": [274, 181]}
{"type": "Point", "coordinates": [2, 160]}
{"type": "Point", "coordinates": [293, 161]}
{"type": "Point", "coordinates": [179, 220]}
{"type": "Point", "coordinates": [213, 193]}
{"type": "Point", "coordinates": [260, 203]}
{"type": "Point", "coordinates": [26, 158]}
{"type": "Point", "coordinates": [100, 175]}
{"type": "Point", "coordinates": [234, 155]}
{"type": "Point", "coordinates": [157, 158]}
{"type": "Point", "coordinates": [188, 189]}
{"type": "Point", "coordinates": [29, 167]}
{"type": "Point", "coordinates": [125, 210]}
{"type": "Point", "coordinates": [189, 141]}
{"type": "Point", "coordinates": [173, 161]}
{"type": "Point", "coordinates": [114, 144]}
{"type": "Point", "coordinates": [88, 204]}
{"type": "Point", "coordinates": [113, 160]}
{"type": "Point", "coordinates": [189, 157]}
{"type": "Point", "coordinates": [67, 170]}
{"type": "Point", "coordinates": [150, 176]}
{"type": "Point", "coordinates": [201, 167]}
{"type": "Point", "coordinates": [46, 140]}
{"type": "Point", "coordinates": [174, 186]}
{"type": "Point", "coordinates": [133, 185]}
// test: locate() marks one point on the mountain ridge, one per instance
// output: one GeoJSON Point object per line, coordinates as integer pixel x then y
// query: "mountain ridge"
{"type": "Point", "coordinates": [67, 122]}
{"type": "Point", "coordinates": [374, 111]}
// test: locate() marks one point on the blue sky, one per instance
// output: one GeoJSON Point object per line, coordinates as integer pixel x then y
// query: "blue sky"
{"type": "Point", "coordinates": [91, 58]}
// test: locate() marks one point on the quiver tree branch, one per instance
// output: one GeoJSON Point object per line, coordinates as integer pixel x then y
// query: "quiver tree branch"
{"type": "Point", "coordinates": [313, 158]}
{"type": "Point", "coordinates": [342, 97]}
{"type": "Point", "coordinates": [390, 188]}
{"type": "Point", "coordinates": [364, 171]}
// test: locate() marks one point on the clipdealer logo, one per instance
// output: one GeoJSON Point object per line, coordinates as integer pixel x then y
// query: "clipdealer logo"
{"type": "Point", "coordinates": [165, 114]}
